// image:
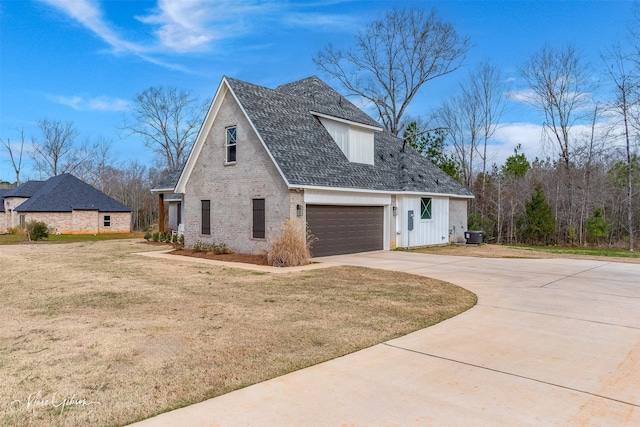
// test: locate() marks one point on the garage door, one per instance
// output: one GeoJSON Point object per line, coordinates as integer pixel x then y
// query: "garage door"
{"type": "Point", "coordinates": [345, 229]}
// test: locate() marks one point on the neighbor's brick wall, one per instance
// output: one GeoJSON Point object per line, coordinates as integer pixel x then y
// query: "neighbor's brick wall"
{"type": "Point", "coordinates": [231, 188]}
{"type": "Point", "coordinates": [82, 222]}
{"type": "Point", "coordinates": [13, 218]}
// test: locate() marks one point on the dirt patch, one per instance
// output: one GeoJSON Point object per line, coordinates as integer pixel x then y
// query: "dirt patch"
{"type": "Point", "coordinates": [245, 258]}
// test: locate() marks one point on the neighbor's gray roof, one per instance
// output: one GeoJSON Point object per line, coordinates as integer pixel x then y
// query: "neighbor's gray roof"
{"type": "Point", "coordinates": [307, 155]}
{"type": "Point", "coordinates": [65, 192]}
{"type": "Point", "coordinates": [26, 189]}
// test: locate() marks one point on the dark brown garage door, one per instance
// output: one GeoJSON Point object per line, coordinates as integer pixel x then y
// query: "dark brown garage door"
{"type": "Point", "coordinates": [345, 229]}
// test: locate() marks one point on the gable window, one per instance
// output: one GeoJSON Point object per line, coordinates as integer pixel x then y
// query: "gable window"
{"type": "Point", "coordinates": [258, 219]}
{"type": "Point", "coordinates": [425, 208]}
{"type": "Point", "coordinates": [206, 217]}
{"type": "Point", "coordinates": [231, 144]}
{"type": "Point", "coordinates": [107, 221]}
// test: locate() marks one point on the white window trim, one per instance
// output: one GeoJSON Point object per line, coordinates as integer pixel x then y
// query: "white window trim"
{"type": "Point", "coordinates": [227, 145]}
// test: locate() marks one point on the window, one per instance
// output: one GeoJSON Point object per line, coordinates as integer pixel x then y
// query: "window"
{"type": "Point", "coordinates": [107, 221]}
{"type": "Point", "coordinates": [425, 208]}
{"type": "Point", "coordinates": [231, 144]}
{"type": "Point", "coordinates": [206, 217]}
{"type": "Point", "coordinates": [258, 219]}
{"type": "Point", "coordinates": [22, 220]}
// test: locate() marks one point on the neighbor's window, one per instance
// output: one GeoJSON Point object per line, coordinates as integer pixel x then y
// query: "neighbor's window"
{"type": "Point", "coordinates": [107, 221]}
{"type": "Point", "coordinates": [22, 220]}
{"type": "Point", "coordinates": [231, 144]}
{"type": "Point", "coordinates": [206, 217]}
{"type": "Point", "coordinates": [258, 219]}
{"type": "Point", "coordinates": [425, 208]}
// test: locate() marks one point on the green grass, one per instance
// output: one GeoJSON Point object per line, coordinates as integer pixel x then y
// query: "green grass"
{"type": "Point", "coordinates": [622, 253]}
{"type": "Point", "coordinates": [66, 238]}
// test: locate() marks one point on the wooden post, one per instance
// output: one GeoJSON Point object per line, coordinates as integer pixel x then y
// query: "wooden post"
{"type": "Point", "coordinates": [161, 212]}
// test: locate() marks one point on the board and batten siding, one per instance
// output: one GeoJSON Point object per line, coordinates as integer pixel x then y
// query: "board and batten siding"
{"type": "Point", "coordinates": [432, 231]}
{"type": "Point", "coordinates": [356, 143]}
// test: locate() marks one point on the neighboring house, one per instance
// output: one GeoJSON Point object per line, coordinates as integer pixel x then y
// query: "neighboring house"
{"type": "Point", "coordinates": [264, 156]}
{"type": "Point", "coordinates": [67, 205]}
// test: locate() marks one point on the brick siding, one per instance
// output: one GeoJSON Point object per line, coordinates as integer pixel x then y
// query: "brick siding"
{"type": "Point", "coordinates": [231, 188]}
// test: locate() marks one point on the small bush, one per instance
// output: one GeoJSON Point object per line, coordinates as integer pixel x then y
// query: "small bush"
{"type": "Point", "coordinates": [293, 246]}
{"type": "Point", "coordinates": [147, 235]}
{"type": "Point", "coordinates": [218, 249]}
{"type": "Point", "coordinates": [12, 230]}
{"type": "Point", "coordinates": [156, 236]}
{"type": "Point", "coordinates": [36, 230]}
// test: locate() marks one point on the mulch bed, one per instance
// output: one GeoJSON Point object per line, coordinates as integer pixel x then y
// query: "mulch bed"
{"type": "Point", "coordinates": [246, 258]}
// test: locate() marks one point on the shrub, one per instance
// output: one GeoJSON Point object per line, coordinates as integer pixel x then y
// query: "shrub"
{"type": "Point", "coordinates": [218, 249]}
{"type": "Point", "coordinates": [156, 236]}
{"type": "Point", "coordinates": [293, 246]}
{"type": "Point", "coordinates": [36, 230]}
{"type": "Point", "coordinates": [147, 235]}
{"type": "Point", "coordinates": [12, 230]}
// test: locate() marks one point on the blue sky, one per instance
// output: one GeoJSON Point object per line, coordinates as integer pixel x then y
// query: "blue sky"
{"type": "Point", "coordinates": [84, 60]}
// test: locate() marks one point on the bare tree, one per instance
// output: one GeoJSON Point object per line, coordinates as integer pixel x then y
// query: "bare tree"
{"type": "Point", "coordinates": [489, 89]}
{"type": "Point", "coordinates": [559, 84]}
{"type": "Point", "coordinates": [16, 163]}
{"type": "Point", "coordinates": [168, 120]}
{"type": "Point", "coordinates": [392, 59]}
{"type": "Point", "coordinates": [624, 75]}
{"type": "Point", "coordinates": [56, 153]}
{"type": "Point", "coordinates": [460, 118]}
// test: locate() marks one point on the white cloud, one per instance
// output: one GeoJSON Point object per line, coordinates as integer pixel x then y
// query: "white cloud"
{"type": "Point", "coordinates": [100, 103]}
{"type": "Point", "coordinates": [319, 20]}
{"type": "Point", "coordinates": [184, 24]}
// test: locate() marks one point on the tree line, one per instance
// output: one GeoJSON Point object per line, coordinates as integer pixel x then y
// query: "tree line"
{"type": "Point", "coordinates": [586, 192]}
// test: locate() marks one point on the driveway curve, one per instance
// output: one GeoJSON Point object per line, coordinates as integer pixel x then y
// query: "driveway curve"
{"type": "Point", "coordinates": [551, 342]}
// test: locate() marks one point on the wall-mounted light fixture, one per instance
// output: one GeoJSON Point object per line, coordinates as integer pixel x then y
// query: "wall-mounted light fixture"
{"type": "Point", "coordinates": [299, 210]}
{"type": "Point", "coordinates": [395, 211]}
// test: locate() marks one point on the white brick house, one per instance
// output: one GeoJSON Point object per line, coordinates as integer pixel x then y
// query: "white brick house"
{"type": "Point", "coordinates": [303, 151]}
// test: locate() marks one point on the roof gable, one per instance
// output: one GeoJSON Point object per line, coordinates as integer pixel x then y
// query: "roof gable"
{"type": "Point", "coordinates": [287, 123]}
{"type": "Point", "coordinates": [64, 193]}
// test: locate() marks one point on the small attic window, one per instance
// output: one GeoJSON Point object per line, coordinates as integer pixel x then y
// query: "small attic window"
{"type": "Point", "coordinates": [354, 139]}
{"type": "Point", "coordinates": [231, 144]}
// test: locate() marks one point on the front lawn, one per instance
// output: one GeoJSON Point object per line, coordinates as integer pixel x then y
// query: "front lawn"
{"type": "Point", "coordinates": [91, 334]}
{"type": "Point", "coordinates": [23, 238]}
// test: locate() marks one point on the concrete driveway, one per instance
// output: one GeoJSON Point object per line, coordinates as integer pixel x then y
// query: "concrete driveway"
{"type": "Point", "coordinates": [551, 342]}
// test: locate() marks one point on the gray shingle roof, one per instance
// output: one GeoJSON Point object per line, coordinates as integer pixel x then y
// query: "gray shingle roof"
{"type": "Point", "coordinates": [169, 181]}
{"type": "Point", "coordinates": [26, 189]}
{"type": "Point", "coordinates": [65, 192]}
{"type": "Point", "coordinates": [307, 155]}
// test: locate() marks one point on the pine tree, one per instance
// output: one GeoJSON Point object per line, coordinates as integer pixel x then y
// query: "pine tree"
{"type": "Point", "coordinates": [540, 223]}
